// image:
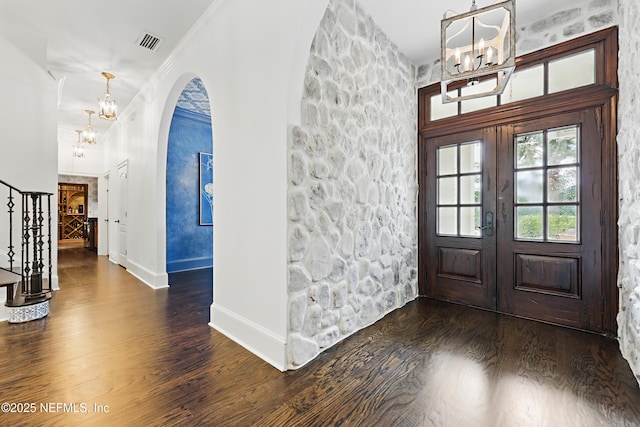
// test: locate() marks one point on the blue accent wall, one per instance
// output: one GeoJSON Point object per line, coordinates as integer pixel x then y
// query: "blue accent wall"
{"type": "Point", "coordinates": [189, 244]}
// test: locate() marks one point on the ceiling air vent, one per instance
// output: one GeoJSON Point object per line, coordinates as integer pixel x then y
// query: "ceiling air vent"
{"type": "Point", "coordinates": [149, 41]}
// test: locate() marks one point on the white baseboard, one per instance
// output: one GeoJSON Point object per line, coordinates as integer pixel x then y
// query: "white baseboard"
{"type": "Point", "coordinates": [55, 284]}
{"type": "Point", "coordinates": [4, 312]}
{"type": "Point", "coordinates": [264, 343]}
{"type": "Point", "coordinates": [149, 278]}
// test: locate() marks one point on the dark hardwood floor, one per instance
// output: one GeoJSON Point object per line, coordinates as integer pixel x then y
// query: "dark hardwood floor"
{"type": "Point", "coordinates": [122, 354]}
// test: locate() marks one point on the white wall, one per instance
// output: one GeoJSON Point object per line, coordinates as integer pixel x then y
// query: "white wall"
{"type": "Point", "coordinates": [244, 51]}
{"type": "Point", "coordinates": [27, 123]}
{"type": "Point", "coordinates": [28, 150]}
{"type": "Point", "coordinates": [90, 165]}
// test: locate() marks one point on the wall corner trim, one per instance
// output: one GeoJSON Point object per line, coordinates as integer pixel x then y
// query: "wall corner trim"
{"type": "Point", "coordinates": [149, 278]}
{"type": "Point", "coordinates": [265, 344]}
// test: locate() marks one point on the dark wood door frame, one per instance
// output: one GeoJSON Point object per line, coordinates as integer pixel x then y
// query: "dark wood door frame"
{"type": "Point", "coordinates": [601, 96]}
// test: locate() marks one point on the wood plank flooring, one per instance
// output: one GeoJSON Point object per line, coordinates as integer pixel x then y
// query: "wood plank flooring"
{"type": "Point", "coordinates": [121, 354]}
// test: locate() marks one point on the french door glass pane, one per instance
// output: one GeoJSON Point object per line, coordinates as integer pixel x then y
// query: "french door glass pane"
{"type": "Point", "coordinates": [459, 189]}
{"type": "Point", "coordinates": [529, 222]}
{"type": "Point", "coordinates": [448, 191]}
{"type": "Point", "coordinates": [470, 157]}
{"type": "Point", "coordinates": [563, 146]}
{"type": "Point", "coordinates": [470, 221]}
{"type": "Point", "coordinates": [448, 160]}
{"type": "Point", "coordinates": [563, 223]}
{"type": "Point", "coordinates": [562, 185]}
{"type": "Point", "coordinates": [529, 150]}
{"type": "Point", "coordinates": [470, 189]}
{"type": "Point", "coordinates": [547, 185]}
{"type": "Point", "coordinates": [529, 186]}
{"type": "Point", "coordinates": [448, 221]}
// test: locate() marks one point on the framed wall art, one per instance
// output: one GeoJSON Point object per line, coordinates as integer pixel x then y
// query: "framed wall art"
{"type": "Point", "coordinates": [206, 189]}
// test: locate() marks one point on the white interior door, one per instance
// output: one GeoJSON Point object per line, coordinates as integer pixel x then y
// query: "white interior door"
{"type": "Point", "coordinates": [121, 220]}
{"type": "Point", "coordinates": [103, 216]}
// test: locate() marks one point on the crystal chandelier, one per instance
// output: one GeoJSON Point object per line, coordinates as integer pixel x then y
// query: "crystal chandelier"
{"type": "Point", "coordinates": [108, 106]}
{"type": "Point", "coordinates": [478, 46]}
{"type": "Point", "coordinates": [89, 135]}
{"type": "Point", "coordinates": [78, 149]}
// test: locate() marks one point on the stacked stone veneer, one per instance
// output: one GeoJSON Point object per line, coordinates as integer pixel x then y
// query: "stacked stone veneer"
{"type": "Point", "coordinates": [577, 19]}
{"type": "Point", "coordinates": [352, 191]}
{"type": "Point", "coordinates": [629, 182]}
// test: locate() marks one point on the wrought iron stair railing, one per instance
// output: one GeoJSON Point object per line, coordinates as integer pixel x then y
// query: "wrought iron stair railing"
{"type": "Point", "coordinates": [27, 265]}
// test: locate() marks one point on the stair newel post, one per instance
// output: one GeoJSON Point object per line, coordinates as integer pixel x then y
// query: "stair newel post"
{"type": "Point", "coordinates": [36, 235]}
{"type": "Point", "coordinates": [11, 205]}
{"type": "Point", "coordinates": [49, 230]}
{"type": "Point", "coordinates": [25, 269]}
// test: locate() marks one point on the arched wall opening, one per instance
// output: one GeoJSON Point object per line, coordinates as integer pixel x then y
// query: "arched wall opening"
{"type": "Point", "coordinates": [189, 180]}
{"type": "Point", "coordinates": [164, 175]}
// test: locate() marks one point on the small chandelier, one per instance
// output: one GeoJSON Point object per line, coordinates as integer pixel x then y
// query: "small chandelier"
{"type": "Point", "coordinates": [475, 46]}
{"type": "Point", "coordinates": [89, 135]}
{"type": "Point", "coordinates": [78, 149]}
{"type": "Point", "coordinates": [108, 106]}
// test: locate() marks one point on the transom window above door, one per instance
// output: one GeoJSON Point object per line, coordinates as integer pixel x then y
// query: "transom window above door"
{"type": "Point", "coordinates": [556, 75]}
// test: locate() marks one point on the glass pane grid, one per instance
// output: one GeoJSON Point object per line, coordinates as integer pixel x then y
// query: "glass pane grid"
{"type": "Point", "coordinates": [459, 190]}
{"type": "Point", "coordinates": [546, 176]}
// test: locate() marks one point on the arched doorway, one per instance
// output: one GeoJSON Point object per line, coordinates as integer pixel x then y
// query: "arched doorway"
{"type": "Point", "coordinates": [189, 200]}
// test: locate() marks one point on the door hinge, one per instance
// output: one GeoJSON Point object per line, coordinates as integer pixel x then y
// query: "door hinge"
{"type": "Point", "coordinates": [602, 132]}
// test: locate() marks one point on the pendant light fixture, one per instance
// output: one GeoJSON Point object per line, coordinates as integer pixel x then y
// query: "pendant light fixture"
{"type": "Point", "coordinates": [108, 106]}
{"type": "Point", "coordinates": [78, 149]}
{"type": "Point", "coordinates": [89, 135]}
{"type": "Point", "coordinates": [477, 47]}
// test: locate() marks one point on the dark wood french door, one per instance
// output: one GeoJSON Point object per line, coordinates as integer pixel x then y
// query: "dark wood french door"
{"type": "Point", "coordinates": [513, 220]}
{"type": "Point", "coordinates": [462, 177]}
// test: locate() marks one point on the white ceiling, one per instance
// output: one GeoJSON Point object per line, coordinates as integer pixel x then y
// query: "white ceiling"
{"type": "Point", "coordinates": [414, 25]}
{"type": "Point", "coordinates": [75, 40]}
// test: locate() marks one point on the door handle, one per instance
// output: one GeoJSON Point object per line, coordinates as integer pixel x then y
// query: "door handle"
{"type": "Point", "coordinates": [117, 220]}
{"type": "Point", "coordinates": [488, 224]}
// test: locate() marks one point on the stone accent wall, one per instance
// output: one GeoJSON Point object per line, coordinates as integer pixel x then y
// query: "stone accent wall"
{"type": "Point", "coordinates": [352, 189]}
{"type": "Point", "coordinates": [629, 183]}
{"type": "Point", "coordinates": [579, 18]}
